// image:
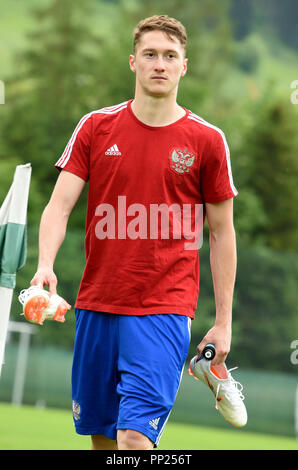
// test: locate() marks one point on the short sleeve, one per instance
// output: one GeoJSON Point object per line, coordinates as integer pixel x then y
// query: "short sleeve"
{"type": "Point", "coordinates": [216, 180]}
{"type": "Point", "coordinates": [76, 155]}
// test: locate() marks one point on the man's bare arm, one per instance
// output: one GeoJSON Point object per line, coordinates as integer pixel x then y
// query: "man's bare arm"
{"type": "Point", "coordinates": [223, 261]}
{"type": "Point", "coordinates": [53, 226]}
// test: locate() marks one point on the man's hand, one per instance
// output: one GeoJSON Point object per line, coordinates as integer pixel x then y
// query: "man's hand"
{"type": "Point", "coordinates": [45, 277]}
{"type": "Point", "coordinates": [220, 336]}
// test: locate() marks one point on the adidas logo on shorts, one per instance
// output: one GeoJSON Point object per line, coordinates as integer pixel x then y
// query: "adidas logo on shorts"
{"type": "Point", "coordinates": [113, 151]}
{"type": "Point", "coordinates": [154, 423]}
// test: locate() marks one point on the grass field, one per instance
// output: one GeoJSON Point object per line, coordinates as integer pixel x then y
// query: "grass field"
{"type": "Point", "coordinates": [269, 396]}
{"type": "Point", "coordinates": [29, 428]}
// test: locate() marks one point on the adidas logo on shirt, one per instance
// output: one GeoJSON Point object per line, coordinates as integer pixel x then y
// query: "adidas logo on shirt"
{"type": "Point", "coordinates": [154, 423]}
{"type": "Point", "coordinates": [113, 151]}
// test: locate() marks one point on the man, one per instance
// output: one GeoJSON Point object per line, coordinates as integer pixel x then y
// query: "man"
{"type": "Point", "coordinates": [139, 289]}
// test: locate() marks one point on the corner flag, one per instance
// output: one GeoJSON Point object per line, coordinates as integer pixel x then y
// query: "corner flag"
{"type": "Point", "coordinates": [13, 244]}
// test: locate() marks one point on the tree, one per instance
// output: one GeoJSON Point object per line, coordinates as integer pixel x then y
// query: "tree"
{"type": "Point", "coordinates": [271, 144]}
{"type": "Point", "coordinates": [52, 89]}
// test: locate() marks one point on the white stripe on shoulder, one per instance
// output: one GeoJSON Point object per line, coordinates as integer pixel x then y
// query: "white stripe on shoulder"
{"type": "Point", "coordinates": [112, 109]}
{"type": "Point", "coordinates": [195, 117]}
{"type": "Point", "coordinates": [68, 149]}
{"type": "Point", "coordinates": [66, 154]}
{"type": "Point", "coordinates": [200, 120]}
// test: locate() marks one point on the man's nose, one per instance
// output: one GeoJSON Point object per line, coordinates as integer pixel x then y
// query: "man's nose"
{"type": "Point", "coordinates": [159, 64]}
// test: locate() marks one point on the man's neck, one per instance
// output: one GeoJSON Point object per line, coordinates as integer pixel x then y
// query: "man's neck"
{"type": "Point", "coordinates": [156, 111]}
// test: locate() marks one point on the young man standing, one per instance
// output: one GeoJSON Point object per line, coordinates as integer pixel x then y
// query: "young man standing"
{"type": "Point", "coordinates": [140, 287]}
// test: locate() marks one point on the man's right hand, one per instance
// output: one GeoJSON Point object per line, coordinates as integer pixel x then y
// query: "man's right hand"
{"type": "Point", "coordinates": [45, 277]}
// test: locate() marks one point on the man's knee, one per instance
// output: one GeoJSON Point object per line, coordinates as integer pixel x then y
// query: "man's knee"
{"type": "Point", "coordinates": [100, 442]}
{"type": "Point", "coordinates": [128, 439]}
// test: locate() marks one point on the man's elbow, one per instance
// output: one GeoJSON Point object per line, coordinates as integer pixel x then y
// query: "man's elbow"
{"type": "Point", "coordinates": [222, 231]}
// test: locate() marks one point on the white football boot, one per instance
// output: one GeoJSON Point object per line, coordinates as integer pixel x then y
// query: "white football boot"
{"type": "Point", "coordinates": [39, 305]}
{"type": "Point", "coordinates": [227, 392]}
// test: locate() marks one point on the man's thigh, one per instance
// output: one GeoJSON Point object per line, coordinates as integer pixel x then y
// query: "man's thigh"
{"type": "Point", "coordinates": [127, 371]}
{"type": "Point", "coordinates": [94, 374]}
{"type": "Point", "coordinates": [152, 353]}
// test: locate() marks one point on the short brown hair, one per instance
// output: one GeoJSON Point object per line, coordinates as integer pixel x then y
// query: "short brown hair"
{"type": "Point", "coordinates": [170, 26]}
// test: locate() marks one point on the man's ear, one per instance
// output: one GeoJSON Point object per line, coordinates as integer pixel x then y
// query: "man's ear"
{"type": "Point", "coordinates": [184, 70]}
{"type": "Point", "coordinates": [132, 63]}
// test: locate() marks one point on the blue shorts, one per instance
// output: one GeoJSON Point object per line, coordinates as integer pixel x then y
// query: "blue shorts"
{"type": "Point", "coordinates": [126, 371]}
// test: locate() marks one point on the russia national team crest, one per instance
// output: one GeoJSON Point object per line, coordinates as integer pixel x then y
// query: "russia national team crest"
{"type": "Point", "coordinates": [181, 161]}
{"type": "Point", "coordinates": [76, 409]}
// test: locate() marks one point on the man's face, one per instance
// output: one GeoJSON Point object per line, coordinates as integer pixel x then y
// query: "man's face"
{"type": "Point", "coordinates": [159, 64]}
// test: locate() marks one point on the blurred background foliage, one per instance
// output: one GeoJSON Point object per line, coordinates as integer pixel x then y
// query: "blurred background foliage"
{"type": "Point", "coordinates": [61, 59]}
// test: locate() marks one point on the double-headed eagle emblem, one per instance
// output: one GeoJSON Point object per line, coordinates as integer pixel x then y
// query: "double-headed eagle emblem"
{"type": "Point", "coordinates": [181, 161]}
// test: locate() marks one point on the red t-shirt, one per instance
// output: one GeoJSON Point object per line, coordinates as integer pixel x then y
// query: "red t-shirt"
{"type": "Point", "coordinates": [145, 186]}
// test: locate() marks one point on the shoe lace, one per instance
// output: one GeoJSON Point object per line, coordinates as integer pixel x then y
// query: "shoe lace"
{"type": "Point", "coordinates": [25, 293]}
{"type": "Point", "coordinates": [232, 390]}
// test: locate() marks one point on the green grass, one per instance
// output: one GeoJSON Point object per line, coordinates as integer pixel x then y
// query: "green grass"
{"type": "Point", "coordinates": [269, 396]}
{"type": "Point", "coordinates": [29, 428]}
{"type": "Point", "coordinates": [189, 437]}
